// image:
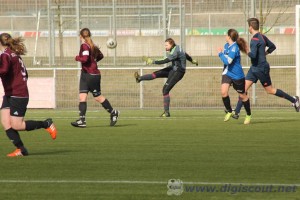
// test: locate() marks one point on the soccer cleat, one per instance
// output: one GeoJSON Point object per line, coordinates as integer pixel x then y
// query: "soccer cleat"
{"type": "Point", "coordinates": [235, 115]}
{"type": "Point", "coordinates": [18, 152]}
{"type": "Point", "coordinates": [51, 128]}
{"type": "Point", "coordinates": [228, 116]}
{"type": "Point", "coordinates": [165, 114]}
{"type": "Point", "coordinates": [137, 77]}
{"type": "Point", "coordinates": [79, 123]}
{"type": "Point", "coordinates": [247, 119]}
{"type": "Point", "coordinates": [296, 104]}
{"type": "Point", "coordinates": [114, 115]}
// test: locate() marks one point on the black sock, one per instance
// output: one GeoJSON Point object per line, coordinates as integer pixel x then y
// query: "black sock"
{"type": "Point", "coordinates": [247, 107]}
{"type": "Point", "coordinates": [32, 125]}
{"type": "Point", "coordinates": [106, 105]}
{"type": "Point", "coordinates": [82, 109]}
{"type": "Point", "coordinates": [14, 136]}
{"type": "Point", "coordinates": [282, 94]}
{"type": "Point", "coordinates": [166, 102]}
{"type": "Point", "coordinates": [147, 77]}
{"type": "Point", "coordinates": [226, 101]}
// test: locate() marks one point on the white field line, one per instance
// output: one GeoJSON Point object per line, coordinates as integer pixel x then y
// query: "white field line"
{"type": "Point", "coordinates": [160, 118]}
{"type": "Point", "coordinates": [142, 182]}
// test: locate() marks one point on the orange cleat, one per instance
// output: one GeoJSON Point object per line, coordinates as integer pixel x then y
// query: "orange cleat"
{"type": "Point", "coordinates": [18, 152]}
{"type": "Point", "coordinates": [51, 128]}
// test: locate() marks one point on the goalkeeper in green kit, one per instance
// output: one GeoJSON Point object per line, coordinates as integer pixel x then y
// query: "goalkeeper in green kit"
{"type": "Point", "coordinates": [174, 72]}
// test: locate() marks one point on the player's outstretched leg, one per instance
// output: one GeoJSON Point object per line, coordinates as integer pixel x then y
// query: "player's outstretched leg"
{"type": "Point", "coordinates": [294, 100]}
{"type": "Point", "coordinates": [51, 128]}
{"type": "Point", "coordinates": [146, 77]}
{"type": "Point", "coordinates": [137, 77]}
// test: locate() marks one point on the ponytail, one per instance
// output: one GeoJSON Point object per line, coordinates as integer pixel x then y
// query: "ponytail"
{"type": "Point", "coordinates": [234, 35]}
{"type": "Point", "coordinates": [86, 35]}
{"type": "Point", "coordinates": [15, 44]}
{"type": "Point", "coordinates": [242, 45]}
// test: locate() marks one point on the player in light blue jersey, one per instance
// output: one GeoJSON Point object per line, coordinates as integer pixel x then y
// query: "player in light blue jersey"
{"type": "Point", "coordinates": [233, 73]}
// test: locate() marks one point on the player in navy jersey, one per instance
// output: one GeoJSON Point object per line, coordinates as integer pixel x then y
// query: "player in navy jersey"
{"type": "Point", "coordinates": [14, 79]}
{"type": "Point", "coordinates": [174, 72]}
{"type": "Point", "coordinates": [260, 68]}
{"type": "Point", "coordinates": [233, 73]}
{"type": "Point", "coordinates": [90, 79]}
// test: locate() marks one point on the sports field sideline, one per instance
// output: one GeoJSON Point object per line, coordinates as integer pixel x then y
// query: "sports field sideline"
{"type": "Point", "coordinates": [136, 158]}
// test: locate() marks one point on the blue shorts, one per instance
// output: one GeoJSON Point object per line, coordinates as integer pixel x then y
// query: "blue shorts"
{"type": "Point", "coordinates": [261, 74]}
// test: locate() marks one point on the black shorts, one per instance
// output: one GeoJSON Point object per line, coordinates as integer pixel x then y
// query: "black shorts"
{"type": "Point", "coordinates": [261, 74]}
{"type": "Point", "coordinates": [238, 85]}
{"type": "Point", "coordinates": [90, 83]}
{"type": "Point", "coordinates": [17, 105]}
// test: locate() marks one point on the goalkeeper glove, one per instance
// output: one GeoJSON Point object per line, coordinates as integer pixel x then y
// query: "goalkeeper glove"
{"type": "Point", "coordinates": [148, 61]}
{"type": "Point", "coordinates": [195, 62]}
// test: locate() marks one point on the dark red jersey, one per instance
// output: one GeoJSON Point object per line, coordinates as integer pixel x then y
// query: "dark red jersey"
{"type": "Point", "coordinates": [13, 74]}
{"type": "Point", "coordinates": [88, 62]}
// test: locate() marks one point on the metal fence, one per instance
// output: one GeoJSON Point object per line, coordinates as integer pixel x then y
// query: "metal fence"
{"type": "Point", "coordinates": [51, 27]}
{"type": "Point", "coordinates": [200, 88]}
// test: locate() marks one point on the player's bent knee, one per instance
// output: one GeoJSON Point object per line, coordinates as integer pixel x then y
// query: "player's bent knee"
{"type": "Point", "coordinates": [100, 98]}
{"type": "Point", "coordinates": [270, 90]}
{"type": "Point", "coordinates": [224, 94]}
{"type": "Point", "coordinates": [17, 126]}
{"type": "Point", "coordinates": [243, 97]}
{"type": "Point", "coordinates": [96, 94]}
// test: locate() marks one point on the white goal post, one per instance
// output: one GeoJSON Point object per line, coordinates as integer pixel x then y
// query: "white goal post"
{"type": "Point", "coordinates": [297, 26]}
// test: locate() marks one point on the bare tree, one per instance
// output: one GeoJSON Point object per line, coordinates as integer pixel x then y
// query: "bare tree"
{"type": "Point", "coordinates": [60, 24]}
{"type": "Point", "coordinates": [265, 9]}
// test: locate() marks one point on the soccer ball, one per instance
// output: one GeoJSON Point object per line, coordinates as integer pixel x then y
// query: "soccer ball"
{"type": "Point", "coordinates": [111, 43]}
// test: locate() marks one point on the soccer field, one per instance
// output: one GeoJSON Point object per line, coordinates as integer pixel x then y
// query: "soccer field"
{"type": "Point", "coordinates": [136, 158]}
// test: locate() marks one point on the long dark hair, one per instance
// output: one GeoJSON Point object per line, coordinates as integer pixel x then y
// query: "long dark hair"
{"type": "Point", "coordinates": [15, 44]}
{"type": "Point", "coordinates": [234, 35]}
{"type": "Point", "coordinates": [86, 35]}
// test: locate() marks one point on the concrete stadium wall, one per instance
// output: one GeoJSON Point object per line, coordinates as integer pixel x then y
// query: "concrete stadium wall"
{"type": "Point", "coordinates": [132, 46]}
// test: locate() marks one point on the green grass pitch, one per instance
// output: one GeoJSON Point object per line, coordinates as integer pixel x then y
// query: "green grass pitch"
{"type": "Point", "coordinates": [136, 158]}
